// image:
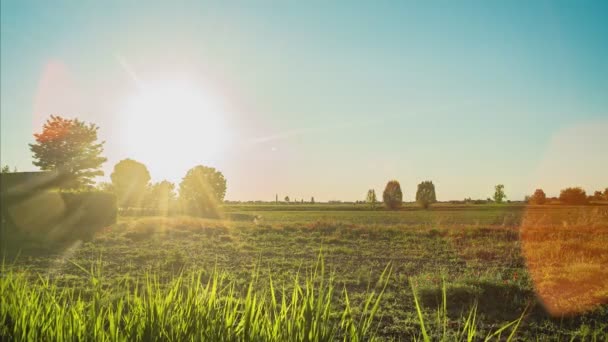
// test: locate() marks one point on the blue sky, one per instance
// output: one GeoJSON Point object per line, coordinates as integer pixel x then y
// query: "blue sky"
{"type": "Point", "coordinates": [321, 99]}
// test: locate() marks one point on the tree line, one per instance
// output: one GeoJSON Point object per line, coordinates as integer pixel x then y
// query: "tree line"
{"type": "Point", "coordinates": [200, 191]}
{"type": "Point", "coordinates": [71, 147]}
{"type": "Point", "coordinates": [392, 197]}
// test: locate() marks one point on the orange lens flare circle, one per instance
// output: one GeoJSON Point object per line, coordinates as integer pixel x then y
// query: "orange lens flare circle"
{"type": "Point", "coordinates": [566, 252]}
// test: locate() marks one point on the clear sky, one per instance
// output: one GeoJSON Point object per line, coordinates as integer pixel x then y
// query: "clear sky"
{"type": "Point", "coordinates": [309, 98]}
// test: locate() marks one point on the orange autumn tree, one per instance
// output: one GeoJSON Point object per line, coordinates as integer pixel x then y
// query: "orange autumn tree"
{"type": "Point", "coordinates": [69, 146]}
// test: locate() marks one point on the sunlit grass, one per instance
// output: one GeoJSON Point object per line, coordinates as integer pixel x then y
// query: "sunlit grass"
{"type": "Point", "coordinates": [187, 308]}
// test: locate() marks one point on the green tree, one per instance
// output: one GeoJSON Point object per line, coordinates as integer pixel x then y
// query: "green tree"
{"type": "Point", "coordinates": [425, 195]}
{"type": "Point", "coordinates": [130, 180]}
{"type": "Point", "coordinates": [573, 196]}
{"type": "Point", "coordinates": [202, 190]}
{"type": "Point", "coordinates": [312, 200]}
{"type": "Point", "coordinates": [287, 199]}
{"type": "Point", "coordinates": [499, 193]}
{"type": "Point", "coordinates": [161, 197]}
{"type": "Point", "coordinates": [392, 195]}
{"type": "Point", "coordinates": [371, 198]}
{"type": "Point", "coordinates": [69, 146]}
{"type": "Point", "coordinates": [538, 197]}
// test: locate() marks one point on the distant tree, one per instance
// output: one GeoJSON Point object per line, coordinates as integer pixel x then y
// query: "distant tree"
{"type": "Point", "coordinates": [7, 169]}
{"type": "Point", "coordinates": [312, 200]}
{"type": "Point", "coordinates": [597, 196]}
{"type": "Point", "coordinates": [69, 146]}
{"type": "Point", "coordinates": [202, 190]}
{"type": "Point", "coordinates": [538, 197]}
{"type": "Point", "coordinates": [371, 198]}
{"type": "Point", "coordinates": [287, 199]}
{"type": "Point", "coordinates": [606, 194]}
{"type": "Point", "coordinates": [130, 180]}
{"type": "Point", "coordinates": [276, 198]}
{"type": "Point", "coordinates": [392, 195]}
{"type": "Point", "coordinates": [499, 193]}
{"type": "Point", "coordinates": [573, 196]}
{"type": "Point", "coordinates": [425, 195]}
{"type": "Point", "coordinates": [161, 197]}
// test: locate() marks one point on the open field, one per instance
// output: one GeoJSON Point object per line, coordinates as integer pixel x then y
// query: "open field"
{"type": "Point", "coordinates": [496, 258]}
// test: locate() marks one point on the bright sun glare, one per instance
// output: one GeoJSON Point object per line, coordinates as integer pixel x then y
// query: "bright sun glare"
{"type": "Point", "coordinates": [171, 125]}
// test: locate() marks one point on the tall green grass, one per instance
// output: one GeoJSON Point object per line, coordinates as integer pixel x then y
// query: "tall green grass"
{"type": "Point", "coordinates": [184, 309]}
{"type": "Point", "coordinates": [188, 308]}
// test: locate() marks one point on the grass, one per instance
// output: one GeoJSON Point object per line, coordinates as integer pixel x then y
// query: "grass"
{"type": "Point", "coordinates": [186, 308]}
{"type": "Point", "coordinates": [471, 268]}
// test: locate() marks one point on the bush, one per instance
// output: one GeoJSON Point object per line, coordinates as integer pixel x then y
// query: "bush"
{"type": "Point", "coordinates": [392, 196]}
{"type": "Point", "coordinates": [59, 215]}
{"type": "Point", "coordinates": [573, 196]}
{"type": "Point", "coordinates": [91, 208]}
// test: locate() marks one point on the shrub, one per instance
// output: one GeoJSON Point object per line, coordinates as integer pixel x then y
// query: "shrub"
{"type": "Point", "coordinates": [392, 196]}
{"type": "Point", "coordinates": [573, 196]}
{"type": "Point", "coordinates": [59, 215]}
{"type": "Point", "coordinates": [425, 195]}
{"type": "Point", "coordinates": [94, 208]}
{"type": "Point", "coordinates": [539, 197]}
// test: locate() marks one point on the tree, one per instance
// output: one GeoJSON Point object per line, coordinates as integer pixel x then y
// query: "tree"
{"type": "Point", "coordinates": [312, 200]}
{"type": "Point", "coordinates": [69, 146]}
{"type": "Point", "coordinates": [538, 197]}
{"type": "Point", "coordinates": [606, 194]}
{"type": "Point", "coordinates": [202, 190]}
{"type": "Point", "coordinates": [130, 180]}
{"type": "Point", "coordinates": [597, 196]}
{"type": "Point", "coordinates": [7, 169]}
{"type": "Point", "coordinates": [371, 198]}
{"type": "Point", "coordinates": [392, 195]}
{"type": "Point", "coordinates": [161, 196]}
{"type": "Point", "coordinates": [287, 199]}
{"type": "Point", "coordinates": [573, 196]}
{"type": "Point", "coordinates": [425, 195]}
{"type": "Point", "coordinates": [499, 193]}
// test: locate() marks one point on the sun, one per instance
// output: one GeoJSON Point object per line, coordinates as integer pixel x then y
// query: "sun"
{"type": "Point", "coordinates": [172, 125]}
